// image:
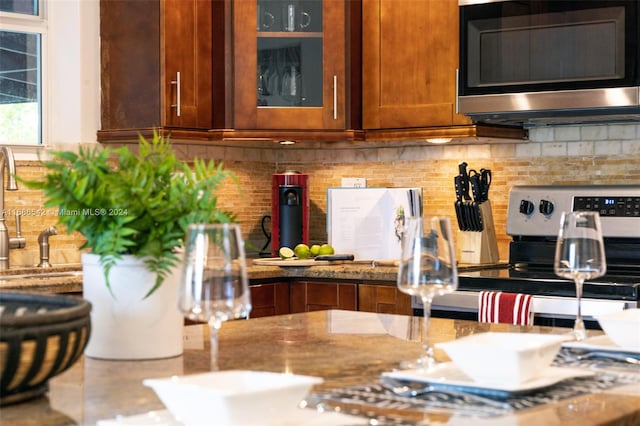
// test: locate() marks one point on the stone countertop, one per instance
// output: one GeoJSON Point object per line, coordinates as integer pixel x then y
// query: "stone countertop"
{"type": "Point", "coordinates": [360, 270]}
{"type": "Point", "coordinates": [337, 270]}
{"type": "Point", "coordinates": [35, 279]}
{"type": "Point", "coordinates": [344, 348]}
{"type": "Point", "coordinates": [56, 279]}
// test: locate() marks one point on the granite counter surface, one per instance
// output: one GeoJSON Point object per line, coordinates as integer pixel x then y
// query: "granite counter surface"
{"type": "Point", "coordinates": [344, 348]}
{"type": "Point", "coordinates": [27, 278]}
{"type": "Point", "coordinates": [56, 279]}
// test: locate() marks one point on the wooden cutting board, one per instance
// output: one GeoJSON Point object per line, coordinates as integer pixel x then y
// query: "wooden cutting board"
{"type": "Point", "coordinates": [276, 261]}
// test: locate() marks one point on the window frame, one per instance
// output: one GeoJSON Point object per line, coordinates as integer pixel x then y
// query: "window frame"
{"type": "Point", "coordinates": [36, 24]}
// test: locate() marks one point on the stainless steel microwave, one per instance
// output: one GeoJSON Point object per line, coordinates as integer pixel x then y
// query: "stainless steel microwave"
{"type": "Point", "coordinates": [526, 62]}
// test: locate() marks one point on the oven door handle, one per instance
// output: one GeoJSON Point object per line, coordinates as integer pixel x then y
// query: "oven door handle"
{"type": "Point", "coordinates": [542, 305]}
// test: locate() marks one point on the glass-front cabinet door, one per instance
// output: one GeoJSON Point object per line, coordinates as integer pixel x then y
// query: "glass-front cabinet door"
{"type": "Point", "coordinates": [289, 62]}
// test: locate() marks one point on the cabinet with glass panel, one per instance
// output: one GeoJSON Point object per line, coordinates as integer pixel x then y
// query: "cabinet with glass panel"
{"type": "Point", "coordinates": [289, 64]}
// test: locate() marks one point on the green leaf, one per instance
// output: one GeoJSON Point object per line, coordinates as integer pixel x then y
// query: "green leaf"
{"type": "Point", "coordinates": [160, 194]}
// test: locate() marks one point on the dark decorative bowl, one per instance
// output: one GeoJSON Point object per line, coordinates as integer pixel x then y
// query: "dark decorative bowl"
{"type": "Point", "coordinates": [41, 335]}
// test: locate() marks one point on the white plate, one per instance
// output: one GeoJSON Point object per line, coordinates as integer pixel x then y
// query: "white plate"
{"type": "Point", "coordinates": [305, 417]}
{"type": "Point", "coordinates": [447, 375]}
{"type": "Point", "coordinates": [599, 343]}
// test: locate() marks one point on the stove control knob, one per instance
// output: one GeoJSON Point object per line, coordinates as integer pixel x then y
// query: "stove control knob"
{"type": "Point", "coordinates": [526, 207]}
{"type": "Point", "coordinates": [546, 207]}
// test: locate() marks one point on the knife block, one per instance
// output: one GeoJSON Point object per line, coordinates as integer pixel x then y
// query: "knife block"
{"type": "Point", "coordinates": [481, 247]}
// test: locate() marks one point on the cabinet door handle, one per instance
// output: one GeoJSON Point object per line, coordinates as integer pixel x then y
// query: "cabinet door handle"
{"type": "Point", "coordinates": [457, 89]}
{"type": "Point", "coordinates": [335, 97]}
{"type": "Point", "coordinates": [176, 82]}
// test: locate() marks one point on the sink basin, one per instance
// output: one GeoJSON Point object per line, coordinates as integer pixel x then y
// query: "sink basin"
{"type": "Point", "coordinates": [44, 274]}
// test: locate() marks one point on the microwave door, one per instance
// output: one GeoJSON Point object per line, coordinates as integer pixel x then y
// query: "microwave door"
{"type": "Point", "coordinates": [548, 55]}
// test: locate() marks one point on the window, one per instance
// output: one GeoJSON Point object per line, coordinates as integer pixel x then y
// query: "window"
{"type": "Point", "coordinates": [22, 30]}
{"type": "Point", "coordinates": [28, 7]}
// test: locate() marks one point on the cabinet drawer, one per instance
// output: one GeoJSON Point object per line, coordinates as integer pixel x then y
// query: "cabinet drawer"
{"type": "Point", "coordinates": [316, 296]}
{"type": "Point", "coordinates": [385, 299]}
{"type": "Point", "coordinates": [269, 299]}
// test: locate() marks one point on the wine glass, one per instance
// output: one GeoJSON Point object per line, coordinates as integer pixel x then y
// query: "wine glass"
{"type": "Point", "coordinates": [427, 269]}
{"type": "Point", "coordinates": [214, 285]}
{"type": "Point", "coordinates": [580, 255]}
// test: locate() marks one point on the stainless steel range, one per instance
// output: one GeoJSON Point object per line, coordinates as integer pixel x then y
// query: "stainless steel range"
{"type": "Point", "coordinates": [533, 218]}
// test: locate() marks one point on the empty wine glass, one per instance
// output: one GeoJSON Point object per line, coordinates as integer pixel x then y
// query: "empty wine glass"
{"type": "Point", "coordinates": [427, 269]}
{"type": "Point", "coordinates": [214, 285]}
{"type": "Point", "coordinates": [580, 255]}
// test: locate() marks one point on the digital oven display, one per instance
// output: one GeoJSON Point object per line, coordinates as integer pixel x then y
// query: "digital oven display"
{"type": "Point", "coordinates": [609, 206]}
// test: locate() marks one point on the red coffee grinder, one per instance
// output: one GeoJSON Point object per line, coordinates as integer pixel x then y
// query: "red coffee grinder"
{"type": "Point", "coordinates": [289, 210]}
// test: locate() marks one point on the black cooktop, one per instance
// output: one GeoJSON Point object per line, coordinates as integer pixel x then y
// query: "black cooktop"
{"type": "Point", "coordinates": [619, 285]}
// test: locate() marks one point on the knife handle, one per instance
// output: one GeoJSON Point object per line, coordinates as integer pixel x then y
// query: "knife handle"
{"type": "Point", "coordinates": [462, 171]}
{"type": "Point", "coordinates": [457, 182]}
{"type": "Point", "coordinates": [476, 188]}
{"type": "Point", "coordinates": [464, 180]}
{"type": "Point", "coordinates": [485, 179]}
{"type": "Point", "coordinates": [331, 257]}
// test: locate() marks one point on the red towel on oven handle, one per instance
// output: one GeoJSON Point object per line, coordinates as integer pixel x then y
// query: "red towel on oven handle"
{"type": "Point", "coordinates": [509, 308]}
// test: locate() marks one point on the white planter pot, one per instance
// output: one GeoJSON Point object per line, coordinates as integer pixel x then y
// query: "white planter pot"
{"type": "Point", "coordinates": [125, 325]}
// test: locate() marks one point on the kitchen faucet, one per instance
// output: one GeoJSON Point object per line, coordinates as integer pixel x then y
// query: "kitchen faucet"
{"type": "Point", "coordinates": [7, 243]}
{"type": "Point", "coordinates": [43, 242]}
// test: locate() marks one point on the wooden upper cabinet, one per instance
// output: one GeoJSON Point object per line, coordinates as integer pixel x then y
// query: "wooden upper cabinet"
{"type": "Point", "coordinates": [186, 71]}
{"type": "Point", "coordinates": [289, 64]}
{"type": "Point", "coordinates": [409, 62]}
{"type": "Point", "coordinates": [144, 45]}
{"type": "Point", "coordinates": [316, 70]}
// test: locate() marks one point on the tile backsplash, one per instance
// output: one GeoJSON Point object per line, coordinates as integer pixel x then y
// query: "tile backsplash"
{"type": "Point", "coordinates": [594, 154]}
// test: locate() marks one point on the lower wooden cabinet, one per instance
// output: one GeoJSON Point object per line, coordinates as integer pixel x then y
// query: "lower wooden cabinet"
{"type": "Point", "coordinates": [317, 296]}
{"type": "Point", "coordinates": [269, 299]}
{"type": "Point", "coordinates": [282, 297]}
{"type": "Point", "coordinates": [385, 299]}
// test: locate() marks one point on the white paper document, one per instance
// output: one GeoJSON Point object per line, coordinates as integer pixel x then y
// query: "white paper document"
{"type": "Point", "coordinates": [368, 222]}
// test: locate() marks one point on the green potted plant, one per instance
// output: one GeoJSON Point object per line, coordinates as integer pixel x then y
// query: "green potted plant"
{"type": "Point", "coordinates": [133, 210]}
